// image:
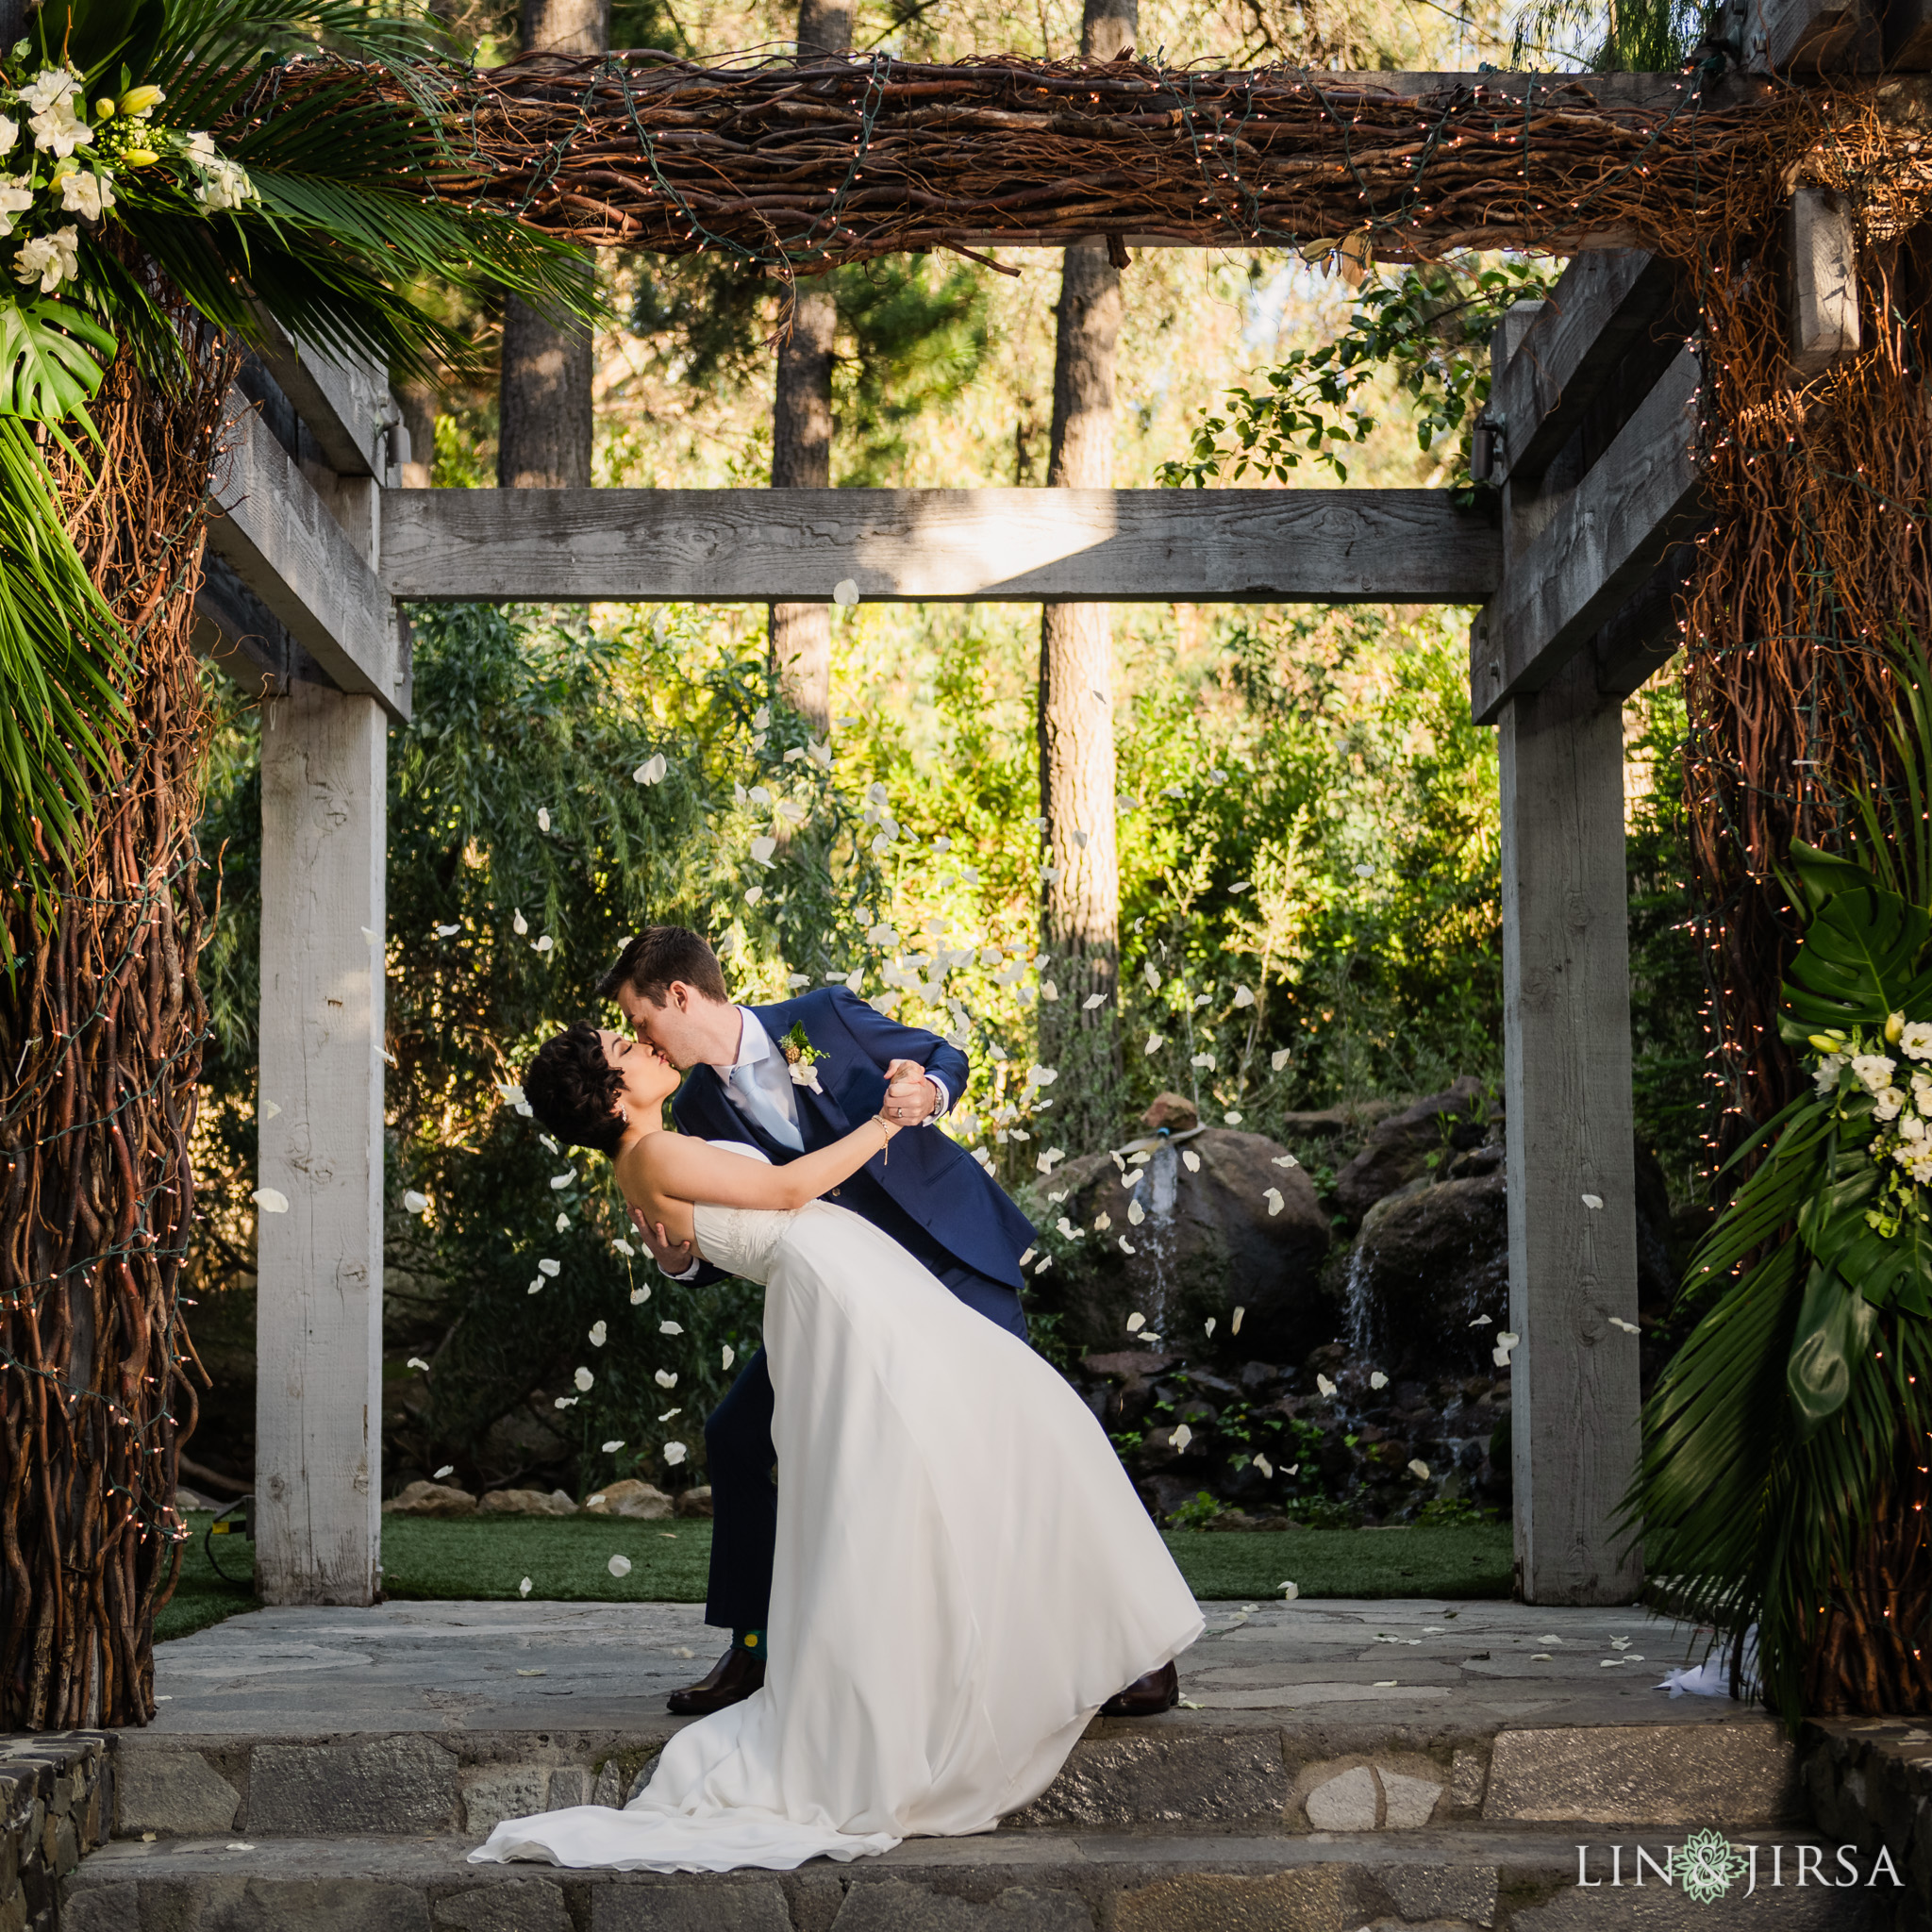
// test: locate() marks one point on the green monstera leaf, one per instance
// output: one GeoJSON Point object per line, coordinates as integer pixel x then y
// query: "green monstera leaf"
{"type": "Point", "coordinates": [1834, 1327]}
{"type": "Point", "coordinates": [1859, 961]}
{"type": "Point", "coordinates": [48, 366]}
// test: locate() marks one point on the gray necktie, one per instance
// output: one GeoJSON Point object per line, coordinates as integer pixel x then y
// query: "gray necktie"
{"type": "Point", "coordinates": [753, 1100]}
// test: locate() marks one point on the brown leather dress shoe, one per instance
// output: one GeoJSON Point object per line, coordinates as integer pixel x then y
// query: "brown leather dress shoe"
{"type": "Point", "coordinates": [1146, 1696]}
{"type": "Point", "coordinates": [733, 1678]}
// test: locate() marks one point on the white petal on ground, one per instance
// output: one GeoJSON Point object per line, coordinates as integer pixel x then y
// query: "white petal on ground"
{"type": "Point", "coordinates": [665, 1379]}
{"type": "Point", "coordinates": [270, 1200]}
{"type": "Point", "coordinates": [1500, 1356]}
{"type": "Point", "coordinates": [675, 1453]}
{"type": "Point", "coordinates": [1191, 1160]}
{"type": "Point", "coordinates": [414, 1202]}
{"type": "Point", "coordinates": [619, 1566]}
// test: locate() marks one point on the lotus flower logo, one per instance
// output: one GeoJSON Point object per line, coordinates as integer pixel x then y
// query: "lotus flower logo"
{"type": "Point", "coordinates": [1705, 1865]}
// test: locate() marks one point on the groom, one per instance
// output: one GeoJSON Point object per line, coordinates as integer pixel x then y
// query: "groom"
{"type": "Point", "coordinates": [931, 1197]}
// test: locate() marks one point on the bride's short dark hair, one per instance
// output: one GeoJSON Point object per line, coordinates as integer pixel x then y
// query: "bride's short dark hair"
{"type": "Point", "coordinates": [572, 1089]}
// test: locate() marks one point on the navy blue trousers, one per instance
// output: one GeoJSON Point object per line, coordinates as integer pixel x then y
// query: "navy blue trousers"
{"type": "Point", "coordinates": [738, 1447]}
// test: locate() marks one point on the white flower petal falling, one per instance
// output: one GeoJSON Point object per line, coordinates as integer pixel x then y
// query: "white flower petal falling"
{"type": "Point", "coordinates": [1378, 1380]}
{"type": "Point", "coordinates": [615, 1443]}
{"type": "Point", "coordinates": [665, 1378]}
{"type": "Point", "coordinates": [675, 1453]}
{"type": "Point", "coordinates": [619, 1565]}
{"type": "Point", "coordinates": [1234, 1327]}
{"type": "Point", "coordinates": [599, 1334]}
{"type": "Point", "coordinates": [1135, 1323]}
{"type": "Point", "coordinates": [1181, 1437]}
{"type": "Point", "coordinates": [270, 1200]}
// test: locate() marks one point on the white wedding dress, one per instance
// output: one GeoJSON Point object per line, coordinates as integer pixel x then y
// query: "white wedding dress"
{"type": "Point", "coordinates": [964, 1575]}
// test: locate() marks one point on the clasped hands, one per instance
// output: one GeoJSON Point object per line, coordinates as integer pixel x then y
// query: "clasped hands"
{"type": "Point", "coordinates": [910, 1098]}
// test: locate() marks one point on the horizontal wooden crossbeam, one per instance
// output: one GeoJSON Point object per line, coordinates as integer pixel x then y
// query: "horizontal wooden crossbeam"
{"type": "Point", "coordinates": [281, 541]}
{"type": "Point", "coordinates": [953, 546]}
{"type": "Point", "coordinates": [1609, 535]}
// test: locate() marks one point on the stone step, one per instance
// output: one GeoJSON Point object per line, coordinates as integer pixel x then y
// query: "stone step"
{"type": "Point", "coordinates": [1186, 1769]}
{"type": "Point", "coordinates": [1008, 1881]}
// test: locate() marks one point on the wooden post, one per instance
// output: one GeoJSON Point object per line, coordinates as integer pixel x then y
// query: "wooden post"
{"type": "Point", "coordinates": [1823, 295]}
{"type": "Point", "coordinates": [1566, 1074]}
{"type": "Point", "coordinates": [317, 1457]}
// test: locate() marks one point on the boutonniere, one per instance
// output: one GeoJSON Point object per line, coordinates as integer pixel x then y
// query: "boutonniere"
{"type": "Point", "coordinates": [800, 1057]}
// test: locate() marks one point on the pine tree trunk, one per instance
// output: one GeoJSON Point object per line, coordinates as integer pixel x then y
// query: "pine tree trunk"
{"type": "Point", "coordinates": [801, 633]}
{"type": "Point", "coordinates": [1080, 897]}
{"type": "Point", "coordinates": [544, 429]}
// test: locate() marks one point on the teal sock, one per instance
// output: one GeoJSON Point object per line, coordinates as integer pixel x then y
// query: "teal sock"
{"type": "Point", "coordinates": [753, 1640]}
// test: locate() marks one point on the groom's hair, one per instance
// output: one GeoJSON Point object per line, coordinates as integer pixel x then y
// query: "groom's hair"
{"type": "Point", "coordinates": [572, 1089]}
{"type": "Point", "coordinates": [658, 956]}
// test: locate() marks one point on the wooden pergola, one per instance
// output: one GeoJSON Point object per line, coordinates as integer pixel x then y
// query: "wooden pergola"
{"type": "Point", "coordinates": [1591, 434]}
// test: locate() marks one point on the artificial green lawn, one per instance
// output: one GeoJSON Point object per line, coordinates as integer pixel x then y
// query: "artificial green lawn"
{"type": "Point", "coordinates": [566, 1559]}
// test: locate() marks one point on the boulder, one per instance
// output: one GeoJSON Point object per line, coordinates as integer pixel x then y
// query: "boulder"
{"type": "Point", "coordinates": [631, 1498]}
{"type": "Point", "coordinates": [1173, 1112]}
{"type": "Point", "coordinates": [1411, 1145]}
{"type": "Point", "coordinates": [430, 1499]}
{"type": "Point", "coordinates": [1428, 1262]}
{"type": "Point", "coordinates": [527, 1503]}
{"type": "Point", "coordinates": [693, 1502]}
{"type": "Point", "coordinates": [1206, 1245]}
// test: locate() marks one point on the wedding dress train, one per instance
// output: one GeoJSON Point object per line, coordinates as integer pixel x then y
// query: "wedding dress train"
{"type": "Point", "coordinates": [964, 1575]}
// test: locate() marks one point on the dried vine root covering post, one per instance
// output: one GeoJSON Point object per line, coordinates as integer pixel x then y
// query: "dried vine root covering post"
{"type": "Point", "coordinates": [101, 1030]}
{"type": "Point", "coordinates": [847, 160]}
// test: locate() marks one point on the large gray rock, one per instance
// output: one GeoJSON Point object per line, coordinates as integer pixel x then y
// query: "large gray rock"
{"type": "Point", "coordinates": [1412, 1145]}
{"type": "Point", "coordinates": [527, 1503]}
{"type": "Point", "coordinates": [390, 1785]}
{"type": "Point", "coordinates": [629, 1497]}
{"type": "Point", "coordinates": [1206, 1245]}
{"type": "Point", "coordinates": [175, 1794]}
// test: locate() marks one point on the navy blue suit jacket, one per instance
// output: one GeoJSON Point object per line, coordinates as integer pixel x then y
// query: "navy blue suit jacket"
{"type": "Point", "coordinates": [928, 1174]}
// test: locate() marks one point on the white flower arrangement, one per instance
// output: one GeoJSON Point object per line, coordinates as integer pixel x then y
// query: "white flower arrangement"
{"type": "Point", "coordinates": [1862, 1068]}
{"type": "Point", "coordinates": [65, 152]}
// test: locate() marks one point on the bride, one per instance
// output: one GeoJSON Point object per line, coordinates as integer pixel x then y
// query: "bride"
{"type": "Point", "coordinates": [963, 1575]}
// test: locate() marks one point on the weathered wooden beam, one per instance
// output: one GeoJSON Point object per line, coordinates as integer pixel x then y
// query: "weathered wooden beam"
{"type": "Point", "coordinates": [344, 402]}
{"type": "Point", "coordinates": [1804, 36]}
{"type": "Point", "coordinates": [1597, 548]}
{"type": "Point", "coordinates": [235, 630]}
{"type": "Point", "coordinates": [284, 544]}
{"type": "Point", "coordinates": [318, 1445]}
{"type": "Point", "coordinates": [959, 546]}
{"type": "Point", "coordinates": [1642, 637]}
{"type": "Point", "coordinates": [1600, 307]}
{"type": "Point", "coordinates": [1823, 294]}
{"type": "Point", "coordinates": [1567, 1131]}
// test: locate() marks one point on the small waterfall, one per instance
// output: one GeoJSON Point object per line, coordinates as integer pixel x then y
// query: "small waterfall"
{"type": "Point", "coordinates": [1157, 1237]}
{"type": "Point", "coordinates": [1362, 1318]}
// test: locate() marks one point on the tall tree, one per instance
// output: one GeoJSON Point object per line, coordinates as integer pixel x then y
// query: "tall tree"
{"type": "Point", "coordinates": [1080, 892]}
{"type": "Point", "coordinates": [544, 432]}
{"type": "Point", "coordinates": [801, 422]}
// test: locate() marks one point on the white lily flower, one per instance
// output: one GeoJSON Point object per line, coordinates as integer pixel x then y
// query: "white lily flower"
{"type": "Point", "coordinates": [1874, 1070]}
{"type": "Point", "coordinates": [1886, 1103]}
{"type": "Point", "coordinates": [1914, 1040]}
